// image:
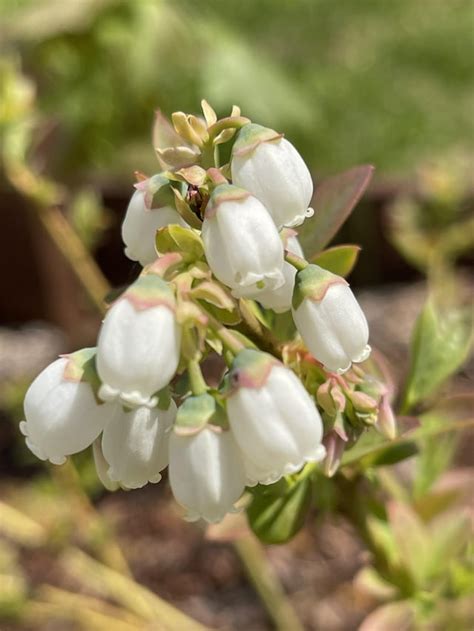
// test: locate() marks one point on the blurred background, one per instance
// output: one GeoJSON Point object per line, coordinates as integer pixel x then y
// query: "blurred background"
{"type": "Point", "coordinates": [349, 83]}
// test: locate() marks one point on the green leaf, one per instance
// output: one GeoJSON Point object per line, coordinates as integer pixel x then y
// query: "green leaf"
{"type": "Point", "coordinates": [274, 517]}
{"type": "Point", "coordinates": [441, 344]}
{"type": "Point", "coordinates": [450, 533]}
{"type": "Point", "coordinates": [391, 455]}
{"type": "Point", "coordinates": [339, 260]}
{"type": "Point", "coordinates": [412, 538]}
{"type": "Point", "coordinates": [371, 445]}
{"type": "Point", "coordinates": [335, 199]}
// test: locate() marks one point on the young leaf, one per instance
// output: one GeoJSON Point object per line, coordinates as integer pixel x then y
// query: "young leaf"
{"type": "Point", "coordinates": [412, 538]}
{"type": "Point", "coordinates": [339, 260]}
{"type": "Point", "coordinates": [440, 345]}
{"type": "Point", "coordinates": [275, 518]}
{"type": "Point", "coordinates": [334, 201]}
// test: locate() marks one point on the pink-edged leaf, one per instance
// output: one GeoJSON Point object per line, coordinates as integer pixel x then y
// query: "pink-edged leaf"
{"type": "Point", "coordinates": [334, 201]}
{"type": "Point", "coordinates": [339, 260]}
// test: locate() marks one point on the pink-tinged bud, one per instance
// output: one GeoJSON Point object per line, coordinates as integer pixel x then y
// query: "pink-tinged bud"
{"type": "Point", "coordinates": [331, 398]}
{"type": "Point", "coordinates": [269, 166]}
{"type": "Point", "coordinates": [329, 319]}
{"type": "Point", "coordinates": [143, 218]}
{"type": "Point", "coordinates": [62, 413]}
{"type": "Point", "coordinates": [273, 418]}
{"type": "Point", "coordinates": [241, 243]}
{"type": "Point", "coordinates": [138, 348]}
{"type": "Point", "coordinates": [386, 421]}
{"type": "Point", "coordinates": [335, 446]}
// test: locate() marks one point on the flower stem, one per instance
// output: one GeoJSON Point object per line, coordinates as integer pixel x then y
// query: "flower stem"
{"type": "Point", "coordinates": [296, 261]}
{"type": "Point", "coordinates": [230, 341]}
{"type": "Point", "coordinates": [198, 384]}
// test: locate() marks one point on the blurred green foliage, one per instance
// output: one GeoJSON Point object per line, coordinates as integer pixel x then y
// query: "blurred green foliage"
{"type": "Point", "coordinates": [349, 82]}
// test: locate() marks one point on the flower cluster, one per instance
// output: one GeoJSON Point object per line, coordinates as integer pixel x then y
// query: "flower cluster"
{"type": "Point", "coordinates": [215, 244]}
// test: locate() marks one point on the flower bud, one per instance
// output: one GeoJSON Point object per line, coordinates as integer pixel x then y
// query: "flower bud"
{"type": "Point", "coordinates": [61, 410]}
{"type": "Point", "coordinates": [331, 398]}
{"type": "Point", "coordinates": [329, 319]}
{"type": "Point", "coordinates": [135, 445]}
{"type": "Point", "coordinates": [386, 421]}
{"type": "Point", "coordinates": [335, 446]}
{"type": "Point", "coordinates": [269, 166]}
{"type": "Point", "coordinates": [273, 418]}
{"type": "Point", "coordinates": [143, 218]}
{"type": "Point", "coordinates": [206, 473]}
{"type": "Point", "coordinates": [139, 343]}
{"type": "Point", "coordinates": [241, 243]}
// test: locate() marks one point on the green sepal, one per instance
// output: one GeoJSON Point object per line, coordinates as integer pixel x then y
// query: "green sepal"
{"type": "Point", "coordinates": [176, 238]}
{"type": "Point", "coordinates": [215, 294]}
{"type": "Point", "coordinates": [185, 210]}
{"type": "Point", "coordinates": [251, 369]}
{"type": "Point", "coordinates": [177, 157]}
{"type": "Point", "coordinates": [198, 411]}
{"type": "Point", "coordinates": [251, 136]}
{"type": "Point", "coordinates": [312, 282]}
{"type": "Point", "coordinates": [157, 191]}
{"type": "Point", "coordinates": [224, 193]}
{"type": "Point", "coordinates": [81, 366]}
{"type": "Point", "coordinates": [149, 290]}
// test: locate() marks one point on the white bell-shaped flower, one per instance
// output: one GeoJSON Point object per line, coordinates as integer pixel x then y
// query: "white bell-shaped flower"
{"type": "Point", "coordinates": [143, 218]}
{"type": "Point", "coordinates": [241, 243]}
{"type": "Point", "coordinates": [62, 413]}
{"type": "Point", "coordinates": [139, 343]}
{"type": "Point", "coordinates": [269, 167]}
{"type": "Point", "coordinates": [206, 473]}
{"type": "Point", "coordinates": [273, 418]}
{"type": "Point", "coordinates": [135, 445]}
{"type": "Point", "coordinates": [329, 319]}
{"type": "Point", "coordinates": [279, 299]}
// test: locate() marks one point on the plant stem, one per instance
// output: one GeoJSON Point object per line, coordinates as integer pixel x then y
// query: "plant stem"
{"type": "Point", "coordinates": [46, 197]}
{"type": "Point", "coordinates": [295, 260]}
{"type": "Point", "coordinates": [267, 585]}
{"type": "Point", "coordinates": [198, 384]}
{"type": "Point", "coordinates": [230, 341]}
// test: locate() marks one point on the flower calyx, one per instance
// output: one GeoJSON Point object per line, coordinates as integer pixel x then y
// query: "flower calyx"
{"type": "Point", "coordinates": [149, 290]}
{"type": "Point", "coordinates": [251, 369]}
{"type": "Point", "coordinates": [221, 194]}
{"type": "Point", "coordinates": [200, 411]}
{"type": "Point", "coordinates": [81, 366]}
{"type": "Point", "coordinates": [156, 191]}
{"type": "Point", "coordinates": [251, 136]}
{"type": "Point", "coordinates": [312, 283]}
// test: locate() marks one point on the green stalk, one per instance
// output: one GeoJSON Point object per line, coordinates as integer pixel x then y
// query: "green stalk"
{"type": "Point", "coordinates": [198, 384]}
{"type": "Point", "coordinates": [296, 261]}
